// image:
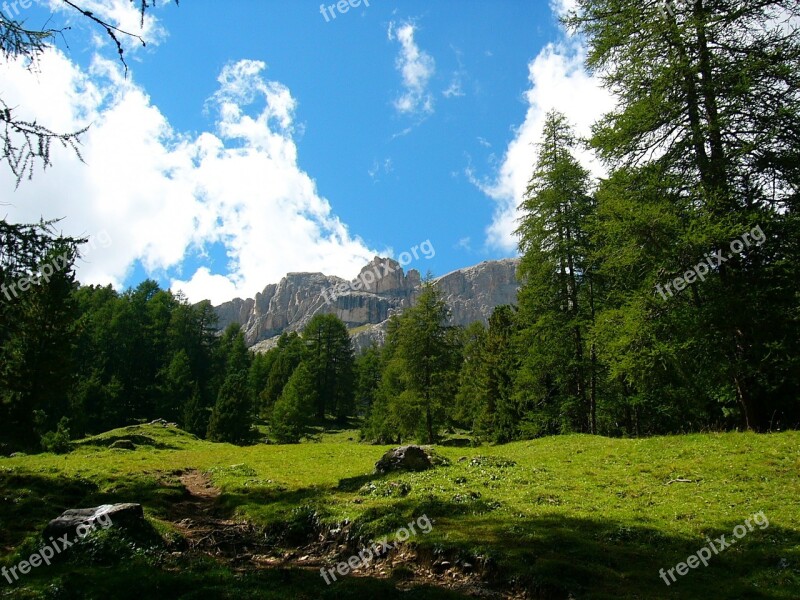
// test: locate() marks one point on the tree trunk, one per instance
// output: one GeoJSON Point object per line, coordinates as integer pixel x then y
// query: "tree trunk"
{"type": "Point", "coordinates": [429, 422]}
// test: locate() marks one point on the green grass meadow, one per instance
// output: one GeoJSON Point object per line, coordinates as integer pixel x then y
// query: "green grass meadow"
{"type": "Point", "coordinates": [562, 517]}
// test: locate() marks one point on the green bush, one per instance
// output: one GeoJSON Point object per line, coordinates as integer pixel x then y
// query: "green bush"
{"type": "Point", "coordinates": [57, 441]}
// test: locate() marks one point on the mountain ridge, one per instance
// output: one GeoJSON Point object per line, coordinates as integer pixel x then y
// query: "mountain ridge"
{"type": "Point", "coordinates": [381, 289]}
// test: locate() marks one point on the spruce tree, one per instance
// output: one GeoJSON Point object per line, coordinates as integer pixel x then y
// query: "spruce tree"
{"type": "Point", "coordinates": [556, 295]}
{"type": "Point", "coordinates": [330, 360]}
{"type": "Point", "coordinates": [293, 410]}
{"type": "Point", "coordinates": [231, 418]}
{"type": "Point", "coordinates": [704, 141]}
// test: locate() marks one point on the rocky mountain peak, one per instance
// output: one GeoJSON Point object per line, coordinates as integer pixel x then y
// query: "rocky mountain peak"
{"type": "Point", "coordinates": [365, 304]}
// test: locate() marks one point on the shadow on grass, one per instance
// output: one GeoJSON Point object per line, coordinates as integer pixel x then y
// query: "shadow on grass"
{"type": "Point", "coordinates": [558, 557]}
{"type": "Point", "coordinates": [353, 484]}
{"type": "Point", "coordinates": [551, 555]}
{"type": "Point", "coordinates": [457, 443]}
{"type": "Point", "coordinates": [296, 516]}
{"type": "Point", "coordinates": [137, 439]}
{"type": "Point", "coordinates": [28, 502]}
{"type": "Point", "coordinates": [207, 580]}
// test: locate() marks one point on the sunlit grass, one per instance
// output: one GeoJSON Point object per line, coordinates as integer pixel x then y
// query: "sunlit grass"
{"type": "Point", "coordinates": [591, 516]}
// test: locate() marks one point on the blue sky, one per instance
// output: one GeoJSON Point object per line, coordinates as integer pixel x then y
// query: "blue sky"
{"type": "Point", "coordinates": [254, 137]}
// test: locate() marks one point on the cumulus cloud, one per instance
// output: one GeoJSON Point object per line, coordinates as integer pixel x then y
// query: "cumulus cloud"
{"type": "Point", "coordinates": [558, 80]}
{"type": "Point", "coordinates": [162, 196]}
{"type": "Point", "coordinates": [416, 67]}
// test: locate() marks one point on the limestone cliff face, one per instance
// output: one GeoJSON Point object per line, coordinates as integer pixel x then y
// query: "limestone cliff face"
{"type": "Point", "coordinates": [366, 303]}
{"type": "Point", "coordinates": [474, 292]}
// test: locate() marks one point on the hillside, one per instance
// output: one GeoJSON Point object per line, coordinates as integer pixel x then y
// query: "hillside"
{"type": "Point", "coordinates": [572, 516]}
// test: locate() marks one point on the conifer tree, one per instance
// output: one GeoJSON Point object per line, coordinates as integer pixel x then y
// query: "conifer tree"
{"type": "Point", "coordinates": [555, 298]}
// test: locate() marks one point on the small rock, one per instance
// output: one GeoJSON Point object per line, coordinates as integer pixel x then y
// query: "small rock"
{"type": "Point", "coordinates": [123, 445]}
{"type": "Point", "coordinates": [439, 567]}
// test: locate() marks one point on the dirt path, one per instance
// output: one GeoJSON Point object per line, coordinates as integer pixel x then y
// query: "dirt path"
{"type": "Point", "coordinates": [200, 520]}
{"type": "Point", "coordinates": [199, 486]}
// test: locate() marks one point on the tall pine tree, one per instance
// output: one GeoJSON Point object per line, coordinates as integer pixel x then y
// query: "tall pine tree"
{"type": "Point", "coordinates": [556, 297]}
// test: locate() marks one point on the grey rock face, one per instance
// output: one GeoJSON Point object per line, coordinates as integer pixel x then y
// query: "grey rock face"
{"type": "Point", "coordinates": [128, 516]}
{"type": "Point", "coordinates": [473, 293]}
{"type": "Point", "coordinates": [366, 303]}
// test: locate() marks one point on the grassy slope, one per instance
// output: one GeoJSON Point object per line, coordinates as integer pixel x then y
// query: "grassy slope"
{"type": "Point", "coordinates": [590, 516]}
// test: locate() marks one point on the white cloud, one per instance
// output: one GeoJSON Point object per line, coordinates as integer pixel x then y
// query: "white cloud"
{"type": "Point", "coordinates": [416, 67]}
{"type": "Point", "coordinates": [563, 7]}
{"type": "Point", "coordinates": [161, 195]}
{"type": "Point", "coordinates": [558, 81]}
{"type": "Point", "coordinates": [123, 14]}
{"type": "Point", "coordinates": [454, 90]}
{"type": "Point", "coordinates": [456, 87]}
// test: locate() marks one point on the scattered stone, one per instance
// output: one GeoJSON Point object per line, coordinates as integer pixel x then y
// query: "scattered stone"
{"type": "Point", "coordinates": [123, 445]}
{"type": "Point", "coordinates": [129, 517]}
{"type": "Point", "coordinates": [468, 497]}
{"type": "Point", "coordinates": [391, 489]}
{"type": "Point", "coordinates": [492, 461]}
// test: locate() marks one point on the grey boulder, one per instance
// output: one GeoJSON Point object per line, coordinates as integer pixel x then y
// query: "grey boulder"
{"type": "Point", "coordinates": [404, 458]}
{"type": "Point", "coordinates": [126, 516]}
